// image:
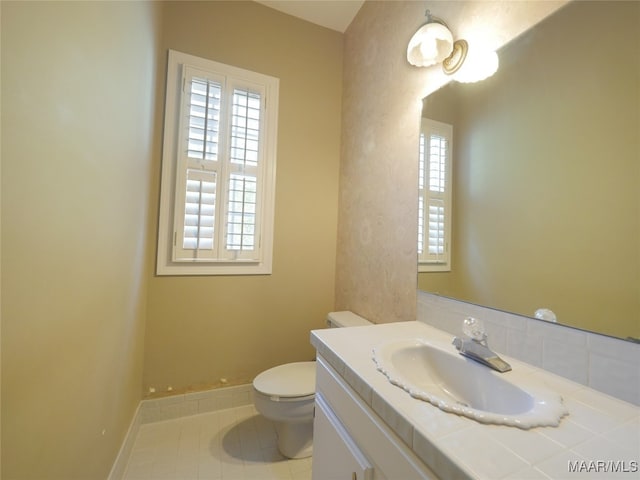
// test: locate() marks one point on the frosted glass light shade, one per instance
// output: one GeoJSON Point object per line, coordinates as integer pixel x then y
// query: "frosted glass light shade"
{"type": "Point", "coordinates": [431, 44]}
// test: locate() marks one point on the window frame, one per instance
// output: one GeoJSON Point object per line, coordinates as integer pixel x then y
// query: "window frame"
{"type": "Point", "coordinates": [433, 262]}
{"type": "Point", "coordinates": [171, 171]}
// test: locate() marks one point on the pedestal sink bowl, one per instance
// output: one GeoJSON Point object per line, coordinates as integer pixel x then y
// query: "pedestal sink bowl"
{"type": "Point", "coordinates": [462, 386]}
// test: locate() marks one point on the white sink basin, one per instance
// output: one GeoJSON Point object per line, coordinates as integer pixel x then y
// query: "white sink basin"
{"type": "Point", "coordinates": [462, 386]}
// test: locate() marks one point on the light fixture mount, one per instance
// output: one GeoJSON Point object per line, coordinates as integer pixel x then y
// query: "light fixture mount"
{"type": "Point", "coordinates": [453, 62]}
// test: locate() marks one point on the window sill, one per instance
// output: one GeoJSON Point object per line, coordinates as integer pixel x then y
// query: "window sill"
{"type": "Point", "coordinates": [213, 269]}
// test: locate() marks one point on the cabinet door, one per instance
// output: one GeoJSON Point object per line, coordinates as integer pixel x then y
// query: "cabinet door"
{"type": "Point", "coordinates": [335, 454]}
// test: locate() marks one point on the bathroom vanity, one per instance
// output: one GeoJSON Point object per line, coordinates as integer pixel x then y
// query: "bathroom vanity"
{"type": "Point", "coordinates": [367, 428]}
{"type": "Point", "coordinates": [351, 440]}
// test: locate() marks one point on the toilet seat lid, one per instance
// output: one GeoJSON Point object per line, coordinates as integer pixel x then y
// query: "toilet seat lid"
{"type": "Point", "coordinates": [290, 380]}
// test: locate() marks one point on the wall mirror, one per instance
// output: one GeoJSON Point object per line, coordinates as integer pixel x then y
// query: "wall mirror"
{"type": "Point", "coordinates": [546, 173]}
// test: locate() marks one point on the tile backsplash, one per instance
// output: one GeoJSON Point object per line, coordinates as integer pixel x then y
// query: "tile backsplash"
{"type": "Point", "coordinates": [603, 363]}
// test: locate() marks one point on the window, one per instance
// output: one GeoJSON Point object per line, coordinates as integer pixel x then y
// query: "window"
{"type": "Point", "coordinates": [218, 169]}
{"type": "Point", "coordinates": [434, 197]}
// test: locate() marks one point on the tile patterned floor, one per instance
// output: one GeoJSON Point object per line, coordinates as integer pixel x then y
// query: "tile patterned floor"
{"type": "Point", "coordinates": [232, 444]}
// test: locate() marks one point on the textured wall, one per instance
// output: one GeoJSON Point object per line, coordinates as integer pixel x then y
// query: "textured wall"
{"type": "Point", "coordinates": [377, 229]}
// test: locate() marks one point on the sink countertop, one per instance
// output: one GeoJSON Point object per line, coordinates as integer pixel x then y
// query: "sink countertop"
{"type": "Point", "coordinates": [600, 437]}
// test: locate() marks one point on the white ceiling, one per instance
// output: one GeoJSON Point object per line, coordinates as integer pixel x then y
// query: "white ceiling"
{"type": "Point", "coordinates": [333, 14]}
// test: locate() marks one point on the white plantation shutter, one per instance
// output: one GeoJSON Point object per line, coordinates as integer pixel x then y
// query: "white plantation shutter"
{"type": "Point", "coordinates": [241, 213]}
{"type": "Point", "coordinates": [437, 160]}
{"type": "Point", "coordinates": [203, 115]}
{"type": "Point", "coordinates": [223, 194]}
{"type": "Point", "coordinates": [243, 182]}
{"type": "Point", "coordinates": [199, 166]}
{"type": "Point", "coordinates": [199, 211]}
{"type": "Point", "coordinates": [421, 195]}
{"type": "Point", "coordinates": [436, 246]}
{"type": "Point", "coordinates": [220, 139]}
{"type": "Point", "coordinates": [434, 197]}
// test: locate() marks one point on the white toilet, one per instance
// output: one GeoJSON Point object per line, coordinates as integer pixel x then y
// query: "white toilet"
{"type": "Point", "coordinates": [285, 394]}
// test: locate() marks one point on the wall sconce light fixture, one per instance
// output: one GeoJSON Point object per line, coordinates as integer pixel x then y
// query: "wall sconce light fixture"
{"type": "Point", "coordinates": [433, 43]}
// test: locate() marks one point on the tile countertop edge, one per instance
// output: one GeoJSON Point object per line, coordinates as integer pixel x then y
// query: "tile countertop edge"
{"type": "Point", "coordinates": [348, 351]}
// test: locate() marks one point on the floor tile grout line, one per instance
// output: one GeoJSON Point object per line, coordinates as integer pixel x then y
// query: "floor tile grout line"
{"type": "Point", "coordinates": [245, 427]}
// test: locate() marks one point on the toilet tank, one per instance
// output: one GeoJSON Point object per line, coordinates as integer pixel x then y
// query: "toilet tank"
{"type": "Point", "coordinates": [345, 319]}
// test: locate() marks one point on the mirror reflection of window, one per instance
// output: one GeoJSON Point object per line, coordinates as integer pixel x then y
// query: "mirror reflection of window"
{"type": "Point", "coordinates": [547, 205]}
{"type": "Point", "coordinates": [434, 197]}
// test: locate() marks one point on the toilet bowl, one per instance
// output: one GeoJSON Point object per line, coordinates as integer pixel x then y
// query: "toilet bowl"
{"type": "Point", "coordinates": [286, 394]}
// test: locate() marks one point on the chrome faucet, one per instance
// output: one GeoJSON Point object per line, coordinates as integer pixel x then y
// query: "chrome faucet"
{"type": "Point", "coordinates": [475, 346]}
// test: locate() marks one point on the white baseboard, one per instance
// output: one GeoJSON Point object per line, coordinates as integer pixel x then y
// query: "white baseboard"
{"type": "Point", "coordinates": [120, 465]}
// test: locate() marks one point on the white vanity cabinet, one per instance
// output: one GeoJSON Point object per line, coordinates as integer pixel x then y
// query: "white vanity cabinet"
{"type": "Point", "coordinates": [352, 442]}
{"type": "Point", "coordinates": [336, 454]}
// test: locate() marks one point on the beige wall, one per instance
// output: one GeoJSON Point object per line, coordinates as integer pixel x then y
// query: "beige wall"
{"type": "Point", "coordinates": [566, 158]}
{"type": "Point", "coordinates": [377, 229]}
{"type": "Point", "coordinates": [77, 111]}
{"type": "Point", "coordinates": [0, 251]}
{"type": "Point", "coordinates": [202, 329]}
{"type": "Point", "coordinates": [77, 281]}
